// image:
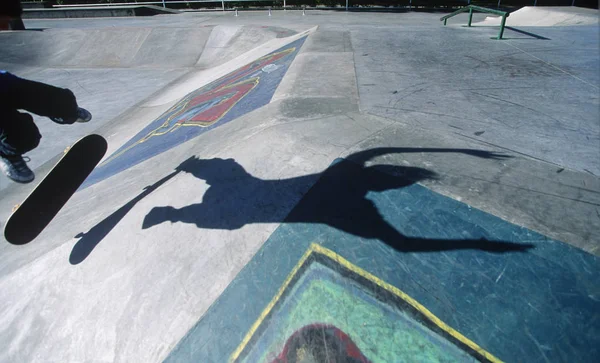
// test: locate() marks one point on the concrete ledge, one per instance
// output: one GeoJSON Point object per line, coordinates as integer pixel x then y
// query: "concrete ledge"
{"type": "Point", "coordinates": [97, 12]}
{"type": "Point", "coordinates": [36, 4]}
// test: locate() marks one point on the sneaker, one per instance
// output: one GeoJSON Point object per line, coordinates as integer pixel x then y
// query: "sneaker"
{"type": "Point", "coordinates": [15, 168]}
{"type": "Point", "coordinates": [83, 115]}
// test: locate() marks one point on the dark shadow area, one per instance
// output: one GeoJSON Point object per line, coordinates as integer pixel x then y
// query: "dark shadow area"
{"type": "Point", "coordinates": [338, 199]}
{"type": "Point", "coordinates": [525, 33]}
{"type": "Point", "coordinates": [504, 37]}
{"type": "Point", "coordinates": [89, 240]}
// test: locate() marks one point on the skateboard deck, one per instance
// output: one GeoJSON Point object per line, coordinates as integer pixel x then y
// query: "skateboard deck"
{"type": "Point", "coordinates": [30, 218]}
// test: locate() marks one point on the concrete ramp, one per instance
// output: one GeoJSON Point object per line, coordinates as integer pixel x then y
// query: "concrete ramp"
{"type": "Point", "coordinates": [204, 46]}
{"type": "Point", "coordinates": [81, 48]}
{"type": "Point", "coordinates": [229, 41]}
{"type": "Point", "coordinates": [111, 69]}
{"type": "Point", "coordinates": [547, 16]}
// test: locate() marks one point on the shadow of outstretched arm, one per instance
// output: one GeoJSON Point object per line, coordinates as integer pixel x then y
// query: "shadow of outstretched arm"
{"type": "Point", "coordinates": [362, 157]}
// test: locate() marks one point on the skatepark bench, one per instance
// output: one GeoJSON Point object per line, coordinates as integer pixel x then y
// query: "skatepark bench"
{"type": "Point", "coordinates": [471, 8]}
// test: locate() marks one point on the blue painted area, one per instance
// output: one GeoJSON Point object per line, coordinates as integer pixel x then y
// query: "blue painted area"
{"type": "Point", "coordinates": [388, 326]}
{"type": "Point", "coordinates": [202, 110]}
{"type": "Point", "coordinates": [537, 305]}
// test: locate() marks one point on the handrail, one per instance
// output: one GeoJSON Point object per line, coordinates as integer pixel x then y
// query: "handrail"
{"type": "Point", "coordinates": [156, 2]}
{"type": "Point", "coordinates": [471, 8]}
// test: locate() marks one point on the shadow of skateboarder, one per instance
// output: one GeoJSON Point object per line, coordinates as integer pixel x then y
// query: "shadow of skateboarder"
{"type": "Point", "coordinates": [338, 199]}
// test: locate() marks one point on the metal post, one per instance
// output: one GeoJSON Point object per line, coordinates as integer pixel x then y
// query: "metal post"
{"type": "Point", "coordinates": [236, 14]}
{"type": "Point", "coordinates": [535, 3]}
{"type": "Point", "coordinates": [223, 4]}
{"type": "Point", "coordinates": [283, 4]}
{"type": "Point", "coordinates": [502, 27]}
{"type": "Point", "coordinates": [573, 3]}
{"type": "Point", "coordinates": [269, 11]}
{"type": "Point", "coordinates": [499, 4]}
{"type": "Point", "coordinates": [346, 5]}
{"type": "Point", "coordinates": [409, 4]}
{"type": "Point", "coordinates": [470, 16]}
{"type": "Point", "coordinates": [164, 4]}
{"type": "Point", "coordinates": [304, 10]}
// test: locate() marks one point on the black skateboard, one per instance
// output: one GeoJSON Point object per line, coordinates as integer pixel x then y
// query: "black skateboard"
{"type": "Point", "coordinates": [30, 218]}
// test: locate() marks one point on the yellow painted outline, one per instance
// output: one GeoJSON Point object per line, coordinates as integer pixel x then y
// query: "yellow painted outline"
{"type": "Point", "coordinates": [315, 248]}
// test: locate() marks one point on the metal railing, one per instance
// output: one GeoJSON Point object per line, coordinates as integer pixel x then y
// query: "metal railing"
{"type": "Point", "coordinates": [158, 2]}
{"type": "Point", "coordinates": [165, 3]}
{"type": "Point", "coordinates": [471, 8]}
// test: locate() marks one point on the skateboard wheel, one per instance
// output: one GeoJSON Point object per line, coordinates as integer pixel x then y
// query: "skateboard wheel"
{"type": "Point", "coordinates": [67, 149]}
{"type": "Point", "coordinates": [15, 207]}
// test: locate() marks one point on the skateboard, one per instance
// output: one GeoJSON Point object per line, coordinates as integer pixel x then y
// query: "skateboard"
{"type": "Point", "coordinates": [30, 218]}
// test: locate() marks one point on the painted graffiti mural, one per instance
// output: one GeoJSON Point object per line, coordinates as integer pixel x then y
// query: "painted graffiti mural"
{"type": "Point", "coordinates": [221, 101]}
{"type": "Point", "coordinates": [332, 311]}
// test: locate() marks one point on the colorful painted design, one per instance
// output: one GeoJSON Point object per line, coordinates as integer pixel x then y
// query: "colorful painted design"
{"type": "Point", "coordinates": [320, 343]}
{"type": "Point", "coordinates": [223, 100]}
{"type": "Point", "coordinates": [383, 323]}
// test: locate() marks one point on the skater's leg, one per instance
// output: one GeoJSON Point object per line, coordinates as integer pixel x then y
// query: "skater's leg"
{"type": "Point", "coordinates": [18, 135]}
{"type": "Point", "coordinates": [59, 104]}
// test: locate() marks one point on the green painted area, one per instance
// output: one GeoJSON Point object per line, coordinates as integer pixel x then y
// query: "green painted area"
{"type": "Point", "coordinates": [382, 332]}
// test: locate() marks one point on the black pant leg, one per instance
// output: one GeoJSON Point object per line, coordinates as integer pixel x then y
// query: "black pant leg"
{"type": "Point", "coordinates": [18, 133]}
{"type": "Point", "coordinates": [39, 98]}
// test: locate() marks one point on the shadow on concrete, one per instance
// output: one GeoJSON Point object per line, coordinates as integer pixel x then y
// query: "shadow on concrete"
{"type": "Point", "coordinates": [89, 240]}
{"type": "Point", "coordinates": [532, 35]}
{"type": "Point", "coordinates": [529, 35]}
{"type": "Point", "coordinates": [338, 198]}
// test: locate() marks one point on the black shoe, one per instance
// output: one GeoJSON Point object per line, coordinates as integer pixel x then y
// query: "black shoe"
{"type": "Point", "coordinates": [15, 168]}
{"type": "Point", "coordinates": [83, 115]}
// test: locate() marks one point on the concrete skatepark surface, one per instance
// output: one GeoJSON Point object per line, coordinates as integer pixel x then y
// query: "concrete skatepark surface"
{"type": "Point", "coordinates": [547, 16]}
{"type": "Point", "coordinates": [371, 185]}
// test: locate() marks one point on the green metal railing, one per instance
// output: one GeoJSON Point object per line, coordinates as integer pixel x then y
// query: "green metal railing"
{"type": "Point", "coordinates": [472, 8]}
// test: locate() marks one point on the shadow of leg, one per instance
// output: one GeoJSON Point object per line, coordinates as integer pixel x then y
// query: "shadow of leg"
{"type": "Point", "coordinates": [390, 236]}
